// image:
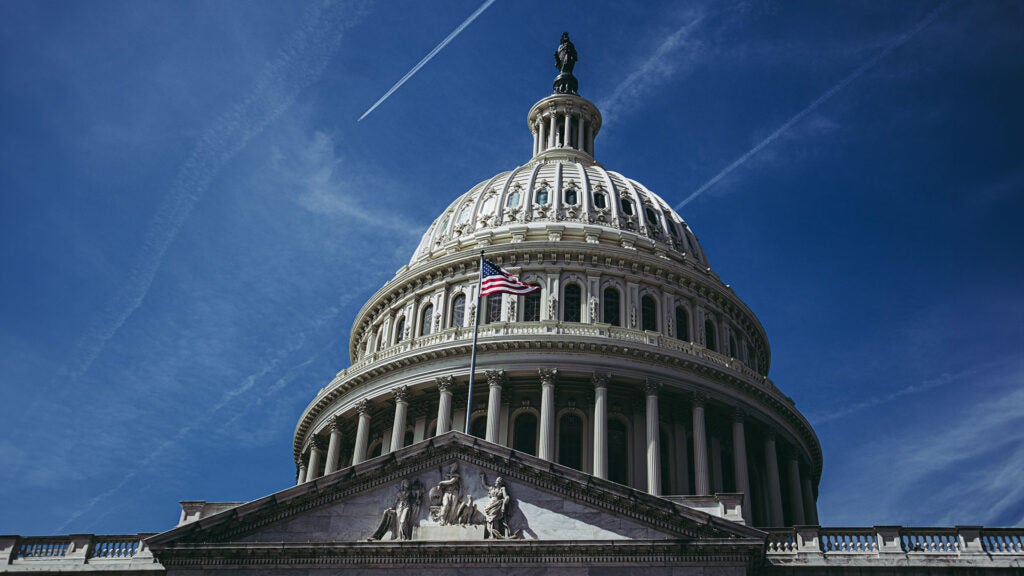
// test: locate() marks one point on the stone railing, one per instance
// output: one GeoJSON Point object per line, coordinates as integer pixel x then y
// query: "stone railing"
{"type": "Point", "coordinates": [576, 330]}
{"type": "Point", "coordinates": [813, 545]}
{"type": "Point", "coordinates": [75, 552]}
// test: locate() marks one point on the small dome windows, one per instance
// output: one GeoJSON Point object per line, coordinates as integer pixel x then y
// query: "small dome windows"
{"type": "Point", "coordinates": [571, 195]}
{"type": "Point", "coordinates": [600, 199]}
{"type": "Point", "coordinates": [488, 205]}
{"type": "Point", "coordinates": [627, 206]}
{"type": "Point", "coordinates": [652, 216]}
{"type": "Point", "coordinates": [514, 198]}
{"type": "Point", "coordinates": [464, 215]}
{"type": "Point", "coordinates": [541, 196]}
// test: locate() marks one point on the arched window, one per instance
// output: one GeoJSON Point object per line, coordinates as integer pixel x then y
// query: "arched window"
{"type": "Point", "coordinates": [478, 426]}
{"type": "Point", "coordinates": [524, 433]}
{"type": "Point", "coordinates": [426, 320]}
{"type": "Point", "coordinates": [618, 452]}
{"type": "Point", "coordinates": [493, 308]}
{"type": "Point", "coordinates": [734, 351]}
{"type": "Point", "coordinates": [531, 307]}
{"type": "Point", "coordinates": [710, 335]}
{"type": "Point", "coordinates": [570, 440]}
{"type": "Point", "coordinates": [458, 310]}
{"type": "Point", "coordinates": [542, 195]}
{"type": "Point", "coordinates": [611, 307]}
{"type": "Point", "coordinates": [380, 339]}
{"type": "Point", "coordinates": [600, 200]}
{"type": "Point", "coordinates": [571, 196]}
{"type": "Point", "coordinates": [376, 449]}
{"type": "Point", "coordinates": [648, 313]}
{"type": "Point", "coordinates": [572, 303]}
{"type": "Point", "coordinates": [682, 324]}
{"type": "Point", "coordinates": [400, 330]}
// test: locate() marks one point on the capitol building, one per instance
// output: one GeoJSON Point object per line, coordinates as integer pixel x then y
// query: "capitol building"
{"type": "Point", "coordinates": [620, 418]}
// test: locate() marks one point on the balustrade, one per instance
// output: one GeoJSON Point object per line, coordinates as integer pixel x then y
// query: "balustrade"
{"type": "Point", "coordinates": [930, 540]}
{"type": "Point", "coordinates": [1003, 540]}
{"type": "Point", "coordinates": [42, 547]}
{"type": "Point", "coordinates": [114, 546]}
{"type": "Point", "coordinates": [781, 541]}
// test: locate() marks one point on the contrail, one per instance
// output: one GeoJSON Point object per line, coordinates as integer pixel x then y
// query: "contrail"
{"type": "Point", "coordinates": [427, 58]}
{"type": "Point", "coordinates": [298, 65]}
{"type": "Point", "coordinates": [899, 41]}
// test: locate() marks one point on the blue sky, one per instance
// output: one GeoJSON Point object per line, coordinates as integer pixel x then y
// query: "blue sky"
{"type": "Point", "coordinates": [191, 216]}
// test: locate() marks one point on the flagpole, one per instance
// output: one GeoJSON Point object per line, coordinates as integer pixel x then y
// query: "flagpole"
{"type": "Point", "coordinates": [476, 330]}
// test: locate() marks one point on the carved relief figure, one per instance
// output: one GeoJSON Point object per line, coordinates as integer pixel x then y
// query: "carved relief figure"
{"type": "Point", "coordinates": [444, 498]}
{"type": "Point", "coordinates": [497, 511]}
{"type": "Point", "coordinates": [399, 520]}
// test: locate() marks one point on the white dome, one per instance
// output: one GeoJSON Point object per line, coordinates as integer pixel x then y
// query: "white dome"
{"type": "Point", "coordinates": [558, 196]}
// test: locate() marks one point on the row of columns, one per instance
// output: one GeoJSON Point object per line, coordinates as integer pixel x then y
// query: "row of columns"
{"type": "Point", "coordinates": [800, 490]}
{"type": "Point", "coordinates": [546, 133]}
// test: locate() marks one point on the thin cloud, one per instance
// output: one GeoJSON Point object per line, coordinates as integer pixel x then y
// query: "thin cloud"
{"type": "Point", "coordinates": [838, 87]}
{"type": "Point", "coordinates": [458, 30]}
{"type": "Point", "coordinates": [299, 64]}
{"type": "Point", "coordinates": [661, 65]}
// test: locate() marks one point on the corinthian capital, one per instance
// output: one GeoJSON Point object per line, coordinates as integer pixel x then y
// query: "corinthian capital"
{"type": "Point", "coordinates": [602, 379]}
{"type": "Point", "coordinates": [401, 394]}
{"type": "Point", "coordinates": [548, 375]}
{"type": "Point", "coordinates": [445, 383]}
{"type": "Point", "coordinates": [495, 377]}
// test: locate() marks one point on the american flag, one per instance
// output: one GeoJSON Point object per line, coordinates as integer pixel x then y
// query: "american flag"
{"type": "Point", "coordinates": [493, 279]}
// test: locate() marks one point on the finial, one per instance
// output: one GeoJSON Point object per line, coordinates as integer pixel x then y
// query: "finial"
{"type": "Point", "coordinates": [565, 60]}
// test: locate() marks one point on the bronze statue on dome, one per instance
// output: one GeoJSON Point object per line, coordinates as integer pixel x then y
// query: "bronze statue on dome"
{"type": "Point", "coordinates": [565, 61]}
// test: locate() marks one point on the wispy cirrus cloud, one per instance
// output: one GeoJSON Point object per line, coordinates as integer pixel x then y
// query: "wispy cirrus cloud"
{"type": "Point", "coordinates": [838, 87]}
{"type": "Point", "coordinates": [298, 65]}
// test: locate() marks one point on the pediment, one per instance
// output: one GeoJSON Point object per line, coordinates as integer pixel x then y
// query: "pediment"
{"type": "Point", "coordinates": [448, 489]}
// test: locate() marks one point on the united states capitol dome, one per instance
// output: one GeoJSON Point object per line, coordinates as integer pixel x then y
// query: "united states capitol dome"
{"type": "Point", "coordinates": [632, 361]}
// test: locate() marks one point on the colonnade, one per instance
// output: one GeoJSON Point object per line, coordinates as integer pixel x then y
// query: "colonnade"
{"type": "Point", "coordinates": [323, 455]}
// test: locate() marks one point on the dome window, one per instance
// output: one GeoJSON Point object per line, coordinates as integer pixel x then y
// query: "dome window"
{"type": "Point", "coordinates": [427, 320]}
{"type": "Point", "coordinates": [627, 206]}
{"type": "Point", "coordinates": [652, 216]}
{"type": "Point", "coordinates": [531, 307]}
{"type": "Point", "coordinates": [570, 441]}
{"type": "Point", "coordinates": [464, 215]}
{"type": "Point", "coordinates": [400, 330]}
{"type": "Point", "coordinates": [493, 308]}
{"type": "Point", "coordinates": [542, 195]}
{"type": "Point", "coordinates": [573, 303]}
{"type": "Point", "coordinates": [710, 336]}
{"type": "Point", "coordinates": [618, 451]}
{"type": "Point", "coordinates": [488, 206]}
{"type": "Point", "coordinates": [600, 200]}
{"type": "Point", "coordinates": [513, 199]}
{"type": "Point", "coordinates": [524, 434]}
{"type": "Point", "coordinates": [648, 313]}
{"type": "Point", "coordinates": [444, 224]}
{"type": "Point", "coordinates": [611, 307]}
{"type": "Point", "coordinates": [458, 311]}
{"type": "Point", "coordinates": [571, 196]}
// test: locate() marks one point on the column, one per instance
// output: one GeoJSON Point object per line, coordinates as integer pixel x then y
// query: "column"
{"type": "Point", "coordinates": [547, 413]}
{"type": "Point", "coordinates": [601, 424]}
{"type": "Point", "coordinates": [401, 410]}
{"type": "Point", "coordinates": [579, 132]}
{"type": "Point", "coordinates": [315, 449]}
{"type": "Point", "coordinates": [334, 448]}
{"type": "Point", "coordinates": [796, 498]}
{"type": "Point", "coordinates": [771, 461]}
{"type": "Point", "coordinates": [444, 405]}
{"type": "Point", "coordinates": [653, 439]}
{"type": "Point", "coordinates": [739, 455]}
{"type": "Point", "coordinates": [495, 378]}
{"type": "Point", "coordinates": [362, 432]}
{"type": "Point", "coordinates": [810, 506]}
{"type": "Point", "coordinates": [302, 471]}
{"type": "Point", "coordinates": [552, 131]}
{"type": "Point", "coordinates": [701, 478]}
{"type": "Point", "coordinates": [566, 138]}
{"type": "Point", "coordinates": [542, 137]}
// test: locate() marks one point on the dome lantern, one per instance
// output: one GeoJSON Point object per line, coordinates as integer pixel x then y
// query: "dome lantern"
{"type": "Point", "coordinates": [565, 124]}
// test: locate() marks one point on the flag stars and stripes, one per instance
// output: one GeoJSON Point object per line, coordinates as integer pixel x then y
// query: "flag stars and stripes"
{"type": "Point", "coordinates": [495, 280]}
